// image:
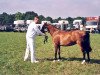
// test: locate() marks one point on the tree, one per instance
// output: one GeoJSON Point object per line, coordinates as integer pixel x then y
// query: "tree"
{"type": "Point", "coordinates": [49, 19]}
{"type": "Point", "coordinates": [41, 18]}
{"type": "Point", "coordinates": [70, 20]}
{"type": "Point", "coordinates": [30, 15]}
{"type": "Point", "coordinates": [59, 18]}
{"type": "Point", "coordinates": [55, 20]}
{"type": "Point", "coordinates": [1, 19]}
{"type": "Point", "coordinates": [11, 19]}
{"type": "Point", "coordinates": [4, 18]}
{"type": "Point", "coordinates": [83, 20]}
{"type": "Point", "coordinates": [78, 18]}
{"type": "Point", "coordinates": [18, 16]}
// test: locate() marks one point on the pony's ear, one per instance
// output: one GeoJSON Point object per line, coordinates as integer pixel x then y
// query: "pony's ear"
{"type": "Point", "coordinates": [45, 23]}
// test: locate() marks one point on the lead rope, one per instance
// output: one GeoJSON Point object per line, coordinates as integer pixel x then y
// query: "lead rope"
{"type": "Point", "coordinates": [45, 39]}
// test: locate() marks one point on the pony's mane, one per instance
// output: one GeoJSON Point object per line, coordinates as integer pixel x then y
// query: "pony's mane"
{"type": "Point", "coordinates": [71, 30]}
{"type": "Point", "coordinates": [54, 26]}
{"type": "Point", "coordinates": [63, 30]}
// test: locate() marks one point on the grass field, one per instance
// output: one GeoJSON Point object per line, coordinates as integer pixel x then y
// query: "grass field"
{"type": "Point", "coordinates": [12, 48]}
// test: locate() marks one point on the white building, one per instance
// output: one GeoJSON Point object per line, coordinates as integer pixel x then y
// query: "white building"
{"type": "Point", "coordinates": [29, 21]}
{"type": "Point", "coordinates": [19, 22]}
{"type": "Point", "coordinates": [63, 22]}
{"type": "Point", "coordinates": [20, 25]}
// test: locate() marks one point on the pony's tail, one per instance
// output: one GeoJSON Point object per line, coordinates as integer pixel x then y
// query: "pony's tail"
{"type": "Point", "coordinates": [86, 42]}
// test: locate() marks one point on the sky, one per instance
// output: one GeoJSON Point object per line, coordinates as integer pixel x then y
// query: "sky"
{"type": "Point", "coordinates": [53, 8]}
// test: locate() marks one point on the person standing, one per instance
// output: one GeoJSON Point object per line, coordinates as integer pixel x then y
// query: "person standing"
{"type": "Point", "coordinates": [32, 31]}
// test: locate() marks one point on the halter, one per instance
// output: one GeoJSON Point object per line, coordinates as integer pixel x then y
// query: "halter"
{"type": "Point", "coordinates": [44, 30]}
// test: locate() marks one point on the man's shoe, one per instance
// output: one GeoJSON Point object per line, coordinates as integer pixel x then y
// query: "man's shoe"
{"type": "Point", "coordinates": [35, 61]}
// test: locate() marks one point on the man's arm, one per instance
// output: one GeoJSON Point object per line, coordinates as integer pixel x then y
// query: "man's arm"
{"type": "Point", "coordinates": [38, 31]}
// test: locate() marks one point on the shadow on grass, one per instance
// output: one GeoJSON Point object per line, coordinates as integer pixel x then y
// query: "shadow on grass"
{"type": "Point", "coordinates": [96, 61]}
{"type": "Point", "coordinates": [92, 61]}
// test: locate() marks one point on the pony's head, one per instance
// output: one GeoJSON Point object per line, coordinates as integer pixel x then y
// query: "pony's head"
{"type": "Point", "coordinates": [45, 28]}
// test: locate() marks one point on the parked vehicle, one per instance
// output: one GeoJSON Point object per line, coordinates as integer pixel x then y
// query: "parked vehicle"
{"type": "Point", "coordinates": [93, 24]}
{"type": "Point", "coordinates": [78, 24]}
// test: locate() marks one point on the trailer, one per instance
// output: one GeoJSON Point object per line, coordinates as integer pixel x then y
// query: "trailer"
{"type": "Point", "coordinates": [93, 24]}
{"type": "Point", "coordinates": [78, 24]}
{"type": "Point", "coordinates": [63, 24]}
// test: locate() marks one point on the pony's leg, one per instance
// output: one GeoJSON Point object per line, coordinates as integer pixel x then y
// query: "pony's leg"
{"type": "Point", "coordinates": [83, 50]}
{"type": "Point", "coordinates": [59, 53]}
{"type": "Point", "coordinates": [56, 48]}
{"type": "Point", "coordinates": [55, 53]}
{"type": "Point", "coordinates": [84, 54]}
{"type": "Point", "coordinates": [88, 56]}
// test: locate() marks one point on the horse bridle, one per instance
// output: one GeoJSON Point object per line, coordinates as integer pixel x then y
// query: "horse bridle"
{"type": "Point", "coordinates": [44, 30]}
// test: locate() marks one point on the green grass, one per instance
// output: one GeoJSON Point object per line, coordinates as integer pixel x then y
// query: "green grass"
{"type": "Point", "coordinates": [12, 48]}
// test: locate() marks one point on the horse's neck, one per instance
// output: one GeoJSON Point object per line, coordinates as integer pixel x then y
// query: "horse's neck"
{"type": "Point", "coordinates": [52, 29]}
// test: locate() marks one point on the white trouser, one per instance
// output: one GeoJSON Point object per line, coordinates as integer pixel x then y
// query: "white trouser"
{"type": "Point", "coordinates": [30, 47]}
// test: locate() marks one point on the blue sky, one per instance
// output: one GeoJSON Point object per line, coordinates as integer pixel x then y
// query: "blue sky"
{"type": "Point", "coordinates": [53, 8]}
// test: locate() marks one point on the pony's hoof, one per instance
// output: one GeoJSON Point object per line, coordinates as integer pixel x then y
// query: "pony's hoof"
{"type": "Point", "coordinates": [58, 60]}
{"type": "Point", "coordinates": [54, 60]}
{"type": "Point", "coordinates": [88, 62]}
{"type": "Point", "coordinates": [83, 62]}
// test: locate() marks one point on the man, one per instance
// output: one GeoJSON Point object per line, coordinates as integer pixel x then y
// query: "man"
{"type": "Point", "coordinates": [32, 31]}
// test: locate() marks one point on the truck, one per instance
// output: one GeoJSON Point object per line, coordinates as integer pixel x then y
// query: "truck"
{"type": "Point", "coordinates": [78, 24]}
{"type": "Point", "coordinates": [93, 24]}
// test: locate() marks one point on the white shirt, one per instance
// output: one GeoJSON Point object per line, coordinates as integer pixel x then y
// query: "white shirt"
{"type": "Point", "coordinates": [33, 30]}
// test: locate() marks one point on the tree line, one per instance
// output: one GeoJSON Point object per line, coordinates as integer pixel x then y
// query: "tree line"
{"type": "Point", "coordinates": [8, 19]}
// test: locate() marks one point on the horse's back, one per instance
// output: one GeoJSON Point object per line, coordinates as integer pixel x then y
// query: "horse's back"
{"type": "Point", "coordinates": [73, 33]}
{"type": "Point", "coordinates": [68, 38]}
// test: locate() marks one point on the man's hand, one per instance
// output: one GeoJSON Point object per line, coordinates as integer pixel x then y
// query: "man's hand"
{"type": "Point", "coordinates": [42, 34]}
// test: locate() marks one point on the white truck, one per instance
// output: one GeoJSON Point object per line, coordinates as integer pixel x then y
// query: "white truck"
{"type": "Point", "coordinates": [93, 24]}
